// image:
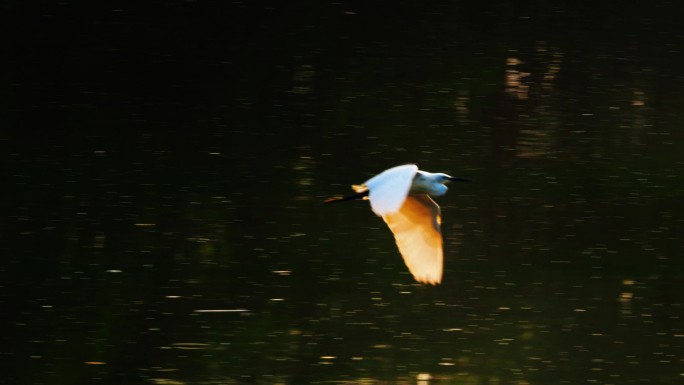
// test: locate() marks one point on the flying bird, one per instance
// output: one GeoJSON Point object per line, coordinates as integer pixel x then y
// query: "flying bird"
{"type": "Point", "coordinates": [401, 196]}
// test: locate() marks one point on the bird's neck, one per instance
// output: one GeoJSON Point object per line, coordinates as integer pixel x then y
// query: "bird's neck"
{"type": "Point", "coordinates": [427, 186]}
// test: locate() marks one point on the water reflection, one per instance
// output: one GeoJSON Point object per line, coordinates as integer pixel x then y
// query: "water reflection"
{"type": "Point", "coordinates": [514, 79]}
{"type": "Point", "coordinates": [163, 179]}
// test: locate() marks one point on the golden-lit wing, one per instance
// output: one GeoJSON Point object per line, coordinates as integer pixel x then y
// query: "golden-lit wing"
{"type": "Point", "coordinates": [416, 228]}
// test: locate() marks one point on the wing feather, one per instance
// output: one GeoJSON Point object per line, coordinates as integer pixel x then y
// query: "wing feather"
{"type": "Point", "coordinates": [416, 229]}
{"type": "Point", "coordinates": [388, 190]}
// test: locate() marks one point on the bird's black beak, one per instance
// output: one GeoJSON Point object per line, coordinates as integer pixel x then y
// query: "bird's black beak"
{"type": "Point", "coordinates": [453, 179]}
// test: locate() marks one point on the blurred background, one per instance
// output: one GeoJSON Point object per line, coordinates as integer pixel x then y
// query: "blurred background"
{"type": "Point", "coordinates": [165, 164]}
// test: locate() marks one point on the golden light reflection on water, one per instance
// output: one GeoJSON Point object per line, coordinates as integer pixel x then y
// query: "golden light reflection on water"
{"type": "Point", "coordinates": [626, 297]}
{"type": "Point", "coordinates": [552, 66]}
{"type": "Point", "coordinates": [514, 79]}
{"type": "Point", "coordinates": [537, 137]}
{"type": "Point", "coordinates": [423, 378]}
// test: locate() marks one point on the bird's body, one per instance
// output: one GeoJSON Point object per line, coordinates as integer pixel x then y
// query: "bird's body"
{"type": "Point", "coordinates": [401, 196]}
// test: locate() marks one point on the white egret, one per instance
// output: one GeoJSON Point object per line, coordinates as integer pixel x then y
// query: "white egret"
{"type": "Point", "coordinates": [401, 196]}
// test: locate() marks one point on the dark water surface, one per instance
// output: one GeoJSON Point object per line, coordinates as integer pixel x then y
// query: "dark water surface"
{"type": "Point", "coordinates": [165, 167]}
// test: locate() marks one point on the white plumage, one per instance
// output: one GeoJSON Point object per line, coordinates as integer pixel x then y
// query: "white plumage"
{"type": "Point", "coordinates": [388, 190]}
{"type": "Point", "coordinates": [401, 196]}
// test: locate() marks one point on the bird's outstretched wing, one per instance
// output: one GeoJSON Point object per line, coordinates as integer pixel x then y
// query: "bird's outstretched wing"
{"type": "Point", "coordinates": [388, 190]}
{"type": "Point", "coordinates": [416, 228]}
